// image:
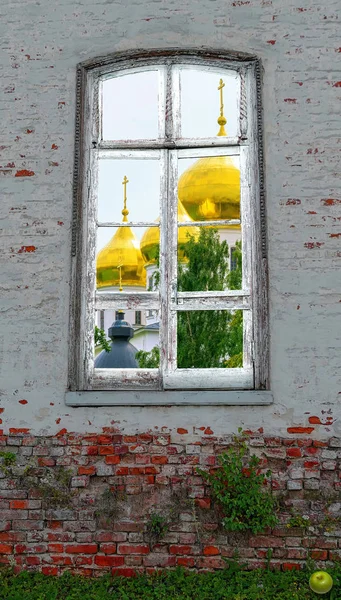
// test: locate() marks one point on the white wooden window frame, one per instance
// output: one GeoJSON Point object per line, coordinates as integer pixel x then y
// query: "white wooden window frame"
{"type": "Point", "coordinates": [168, 385]}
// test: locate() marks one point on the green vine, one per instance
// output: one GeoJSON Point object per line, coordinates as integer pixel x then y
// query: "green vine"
{"type": "Point", "coordinates": [7, 460]}
{"type": "Point", "coordinates": [157, 527]}
{"type": "Point", "coordinates": [297, 520]}
{"type": "Point", "coordinates": [54, 487]}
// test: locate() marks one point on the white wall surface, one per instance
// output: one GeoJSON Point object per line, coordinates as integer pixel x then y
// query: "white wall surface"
{"type": "Point", "coordinates": [299, 44]}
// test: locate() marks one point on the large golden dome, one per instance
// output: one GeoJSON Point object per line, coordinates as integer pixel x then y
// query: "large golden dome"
{"type": "Point", "coordinates": [210, 189]}
{"type": "Point", "coordinates": [151, 238]}
{"type": "Point", "coordinates": [120, 263]}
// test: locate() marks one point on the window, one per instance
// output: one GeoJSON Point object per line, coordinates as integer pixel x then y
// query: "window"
{"type": "Point", "coordinates": [161, 191]}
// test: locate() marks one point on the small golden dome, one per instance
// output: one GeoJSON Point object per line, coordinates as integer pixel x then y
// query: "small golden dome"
{"type": "Point", "coordinates": [210, 189]}
{"type": "Point", "coordinates": [151, 238]}
{"type": "Point", "coordinates": [120, 263]}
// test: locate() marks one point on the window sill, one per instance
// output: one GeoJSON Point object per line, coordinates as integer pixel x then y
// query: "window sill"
{"type": "Point", "coordinates": [169, 398]}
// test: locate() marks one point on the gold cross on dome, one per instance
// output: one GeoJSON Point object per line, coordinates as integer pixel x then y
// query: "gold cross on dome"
{"type": "Point", "coordinates": [220, 88]}
{"type": "Point", "coordinates": [120, 274]}
{"type": "Point", "coordinates": [125, 212]}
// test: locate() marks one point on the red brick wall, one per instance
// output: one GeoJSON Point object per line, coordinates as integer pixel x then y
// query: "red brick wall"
{"type": "Point", "coordinates": [148, 473]}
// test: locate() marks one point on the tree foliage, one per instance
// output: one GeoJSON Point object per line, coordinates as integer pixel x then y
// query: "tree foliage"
{"type": "Point", "coordinates": [101, 340]}
{"type": "Point", "coordinates": [207, 266]}
{"type": "Point", "coordinates": [148, 360]}
{"type": "Point", "coordinates": [205, 338]}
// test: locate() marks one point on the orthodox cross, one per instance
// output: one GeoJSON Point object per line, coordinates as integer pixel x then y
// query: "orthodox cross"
{"type": "Point", "coordinates": [220, 88]}
{"type": "Point", "coordinates": [120, 275]}
{"type": "Point", "coordinates": [125, 211]}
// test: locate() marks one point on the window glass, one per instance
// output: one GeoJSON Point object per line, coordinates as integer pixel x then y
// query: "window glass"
{"type": "Point", "coordinates": [132, 340]}
{"type": "Point", "coordinates": [142, 178]}
{"type": "Point", "coordinates": [201, 102]}
{"type": "Point", "coordinates": [209, 339]}
{"type": "Point", "coordinates": [208, 190]}
{"type": "Point", "coordinates": [120, 264]}
{"type": "Point", "coordinates": [130, 106]}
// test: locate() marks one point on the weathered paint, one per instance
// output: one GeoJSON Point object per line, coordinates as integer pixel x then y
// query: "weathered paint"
{"type": "Point", "coordinates": [305, 343]}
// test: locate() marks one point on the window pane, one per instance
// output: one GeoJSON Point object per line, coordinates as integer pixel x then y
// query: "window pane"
{"type": "Point", "coordinates": [127, 258]}
{"type": "Point", "coordinates": [209, 189]}
{"type": "Point", "coordinates": [204, 260]}
{"type": "Point", "coordinates": [129, 345]}
{"type": "Point", "coordinates": [201, 102]}
{"type": "Point", "coordinates": [210, 339]}
{"type": "Point", "coordinates": [130, 106]}
{"type": "Point", "coordinates": [142, 189]}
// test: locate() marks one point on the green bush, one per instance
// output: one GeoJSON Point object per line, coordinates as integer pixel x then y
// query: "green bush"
{"type": "Point", "coordinates": [237, 486]}
{"type": "Point", "coordinates": [230, 584]}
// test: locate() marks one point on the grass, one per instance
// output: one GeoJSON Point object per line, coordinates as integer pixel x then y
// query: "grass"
{"type": "Point", "coordinates": [232, 583]}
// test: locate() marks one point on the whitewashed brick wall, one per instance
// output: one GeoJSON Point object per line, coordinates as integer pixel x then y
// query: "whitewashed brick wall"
{"type": "Point", "coordinates": [299, 44]}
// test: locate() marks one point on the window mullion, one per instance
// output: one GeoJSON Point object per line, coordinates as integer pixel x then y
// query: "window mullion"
{"type": "Point", "coordinates": [243, 112]}
{"type": "Point", "coordinates": [175, 103]}
{"type": "Point", "coordinates": [163, 91]}
{"type": "Point", "coordinates": [245, 210]}
{"type": "Point", "coordinates": [186, 304]}
{"type": "Point", "coordinates": [92, 126]}
{"type": "Point", "coordinates": [99, 116]}
{"type": "Point", "coordinates": [168, 114]}
{"type": "Point", "coordinates": [127, 301]}
{"type": "Point", "coordinates": [236, 379]}
{"type": "Point", "coordinates": [163, 261]}
{"type": "Point", "coordinates": [90, 280]}
{"type": "Point", "coordinates": [169, 142]}
{"type": "Point", "coordinates": [172, 265]}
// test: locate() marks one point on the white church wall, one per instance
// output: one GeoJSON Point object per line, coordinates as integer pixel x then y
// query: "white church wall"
{"type": "Point", "coordinates": [299, 49]}
{"type": "Point", "coordinates": [145, 340]}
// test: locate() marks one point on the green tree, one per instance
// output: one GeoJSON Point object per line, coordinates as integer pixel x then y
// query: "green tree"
{"type": "Point", "coordinates": [101, 340]}
{"type": "Point", "coordinates": [205, 338]}
{"type": "Point", "coordinates": [148, 360]}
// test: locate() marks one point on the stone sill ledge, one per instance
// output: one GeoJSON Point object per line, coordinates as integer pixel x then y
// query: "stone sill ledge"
{"type": "Point", "coordinates": [169, 398]}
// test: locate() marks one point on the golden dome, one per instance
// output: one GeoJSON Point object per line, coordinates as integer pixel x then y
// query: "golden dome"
{"type": "Point", "coordinates": [210, 189]}
{"type": "Point", "coordinates": [120, 262]}
{"type": "Point", "coordinates": [151, 238]}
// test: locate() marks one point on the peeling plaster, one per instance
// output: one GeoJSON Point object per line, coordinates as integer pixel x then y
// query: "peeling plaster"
{"type": "Point", "coordinates": [302, 180]}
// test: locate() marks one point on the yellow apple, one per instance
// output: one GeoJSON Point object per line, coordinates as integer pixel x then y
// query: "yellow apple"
{"type": "Point", "coordinates": [320, 582]}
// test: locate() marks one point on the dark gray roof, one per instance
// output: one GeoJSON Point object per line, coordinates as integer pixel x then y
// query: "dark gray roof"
{"type": "Point", "coordinates": [121, 356]}
{"type": "Point", "coordinates": [122, 352]}
{"type": "Point", "coordinates": [153, 326]}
